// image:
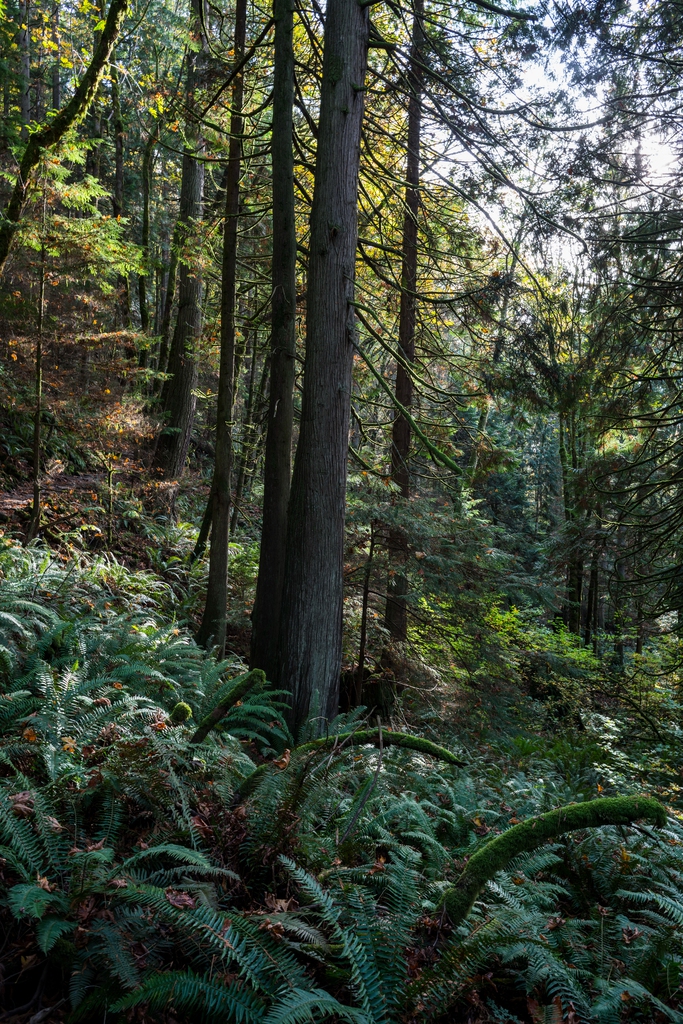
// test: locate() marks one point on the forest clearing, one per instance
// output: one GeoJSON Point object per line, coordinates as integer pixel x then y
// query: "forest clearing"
{"type": "Point", "coordinates": [341, 512]}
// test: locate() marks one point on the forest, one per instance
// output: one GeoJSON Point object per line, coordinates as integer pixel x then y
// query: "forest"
{"type": "Point", "coordinates": [341, 512]}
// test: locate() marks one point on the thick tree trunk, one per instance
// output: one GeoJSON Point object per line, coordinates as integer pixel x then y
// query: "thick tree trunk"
{"type": "Point", "coordinates": [278, 458]}
{"type": "Point", "coordinates": [50, 134]}
{"type": "Point", "coordinates": [179, 400]}
{"type": "Point", "coordinates": [396, 619]}
{"type": "Point", "coordinates": [311, 624]}
{"type": "Point", "coordinates": [214, 620]}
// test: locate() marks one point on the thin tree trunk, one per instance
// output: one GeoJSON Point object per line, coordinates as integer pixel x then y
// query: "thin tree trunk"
{"type": "Point", "coordinates": [360, 671]}
{"type": "Point", "coordinates": [34, 525]}
{"type": "Point", "coordinates": [278, 459]}
{"type": "Point", "coordinates": [180, 402]}
{"type": "Point", "coordinates": [169, 297]}
{"type": "Point", "coordinates": [147, 162]}
{"type": "Point", "coordinates": [56, 77]}
{"type": "Point", "coordinates": [396, 619]}
{"type": "Point", "coordinates": [247, 443]}
{"type": "Point", "coordinates": [215, 617]}
{"type": "Point", "coordinates": [591, 625]}
{"type": "Point", "coordinates": [50, 134]}
{"type": "Point", "coordinates": [311, 625]}
{"type": "Point", "coordinates": [25, 66]}
{"type": "Point", "coordinates": [117, 196]}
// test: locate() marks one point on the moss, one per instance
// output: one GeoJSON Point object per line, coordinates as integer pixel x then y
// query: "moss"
{"type": "Point", "coordinates": [181, 712]}
{"type": "Point", "coordinates": [362, 737]}
{"type": "Point", "coordinates": [242, 685]}
{"type": "Point", "coordinates": [527, 836]}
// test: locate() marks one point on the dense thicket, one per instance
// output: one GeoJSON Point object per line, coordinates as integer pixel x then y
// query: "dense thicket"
{"type": "Point", "coordinates": [356, 324]}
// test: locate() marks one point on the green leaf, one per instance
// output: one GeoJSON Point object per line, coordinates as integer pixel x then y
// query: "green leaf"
{"type": "Point", "coordinates": [51, 929]}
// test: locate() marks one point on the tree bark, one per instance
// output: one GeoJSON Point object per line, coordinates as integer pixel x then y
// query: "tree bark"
{"type": "Point", "coordinates": [169, 297]}
{"type": "Point", "coordinates": [25, 65]}
{"type": "Point", "coordinates": [215, 616]}
{"type": "Point", "coordinates": [396, 618]}
{"type": "Point", "coordinates": [56, 74]}
{"type": "Point", "coordinates": [180, 402]}
{"type": "Point", "coordinates": [147, 162]}
{"type": "Point", "coordinates": [247, 450]}
{"type": "Point", "coordinates": [117, 196]}
{"type": "Point", "coordinates": [50, 134]}
{"type": "Point", "coordinates": [311, 624]}
{"type": "Point", "coordinates": [278, 458]}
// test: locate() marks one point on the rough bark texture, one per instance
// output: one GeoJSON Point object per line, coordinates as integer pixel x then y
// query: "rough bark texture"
{"type": "Point", "coordinates": [311, 624]}
{"type": "Point", "coordinates": [50, 134]}
{"type": "Point", "coordinates": [214, 620]}
{"type": "Point", "coordinates": [396, 619]}
{"type": "Point", "coordinates": [278, 457]}
{"type": "Point", "coordinates": [530, 834]}
{"type": "Point", "coordinates": [178, 398]}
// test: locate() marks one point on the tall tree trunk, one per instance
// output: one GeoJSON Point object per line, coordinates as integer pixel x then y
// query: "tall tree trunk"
{"type": "Point", "coordinates": [278, 459]}
{"type": "Point", "coordinates": [147, 162]}
{"type": "Point", "coordinates": [312, 605]}
{"type": "Point", "coordinates": [180, 402]}
{"type": "Point", "coordinates": [56, 76]}
{"type": "Point", "coordinates": [169, 296]}
{"type": "Point", "coordinates": [247, 442]}
{"type": "Point", "coordinates": [34, 525]}
{"type": "Point", "coordinates": [25, 66]}
{"type": "Point", "coordinates": [117, 196]}
{"type": "Point", "coordinates": [396, 620]}
{"type": "Point", "coordinates": [214, 621]}
{"type": "Point", "coordinates": [50, 134]}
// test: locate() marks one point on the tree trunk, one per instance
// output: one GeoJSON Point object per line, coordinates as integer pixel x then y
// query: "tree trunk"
{"type": "Point", "coordinates": [278, 459]}
{"type": "Point", "coordinates": [50, 134]}
{"type": "Point", "coordinates": [162, 364]}
{"type": "Point", "coordinates": [117, 196]}
{"type": "Point", "coordinates": [179, 400]}
{"type": "Point", "coordinates": [147, 161]}
{"type": "Point", "coordinates": [247, 441]}
{"type": "Point", "coordinates": [25, 65]}
{"type": "Point", "coordinates": [56, 76]}
{"type": "Point", "coordinates": [214, 621]}
{"type": "Point", "coordinates": [311, 624]}
{"type": "Point", "coordinates": [396, 620]}
{"type": "Point", "coordinates": [34, 525]}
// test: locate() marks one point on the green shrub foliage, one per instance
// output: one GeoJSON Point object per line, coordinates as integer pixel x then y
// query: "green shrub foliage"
{"type": "Point", "coordinates": [165, 850]}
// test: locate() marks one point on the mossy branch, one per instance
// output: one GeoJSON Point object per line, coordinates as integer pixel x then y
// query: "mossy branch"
{"type": "Point", "coordinates": [362, 737]}
{"type": "Point", "coordinates": [53, 131]}
{"type": "Point", "coordinates": [240, 688]}
{"type": "Point", "coordinates": [497, 854]}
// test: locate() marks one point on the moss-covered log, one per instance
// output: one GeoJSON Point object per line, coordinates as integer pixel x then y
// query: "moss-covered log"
{"type": "Point", "coordinates": [497, 854]}
{"type": "Point", "coordinates": [242, 685]}
{"type": "Point", "coordinates": [362, 737]}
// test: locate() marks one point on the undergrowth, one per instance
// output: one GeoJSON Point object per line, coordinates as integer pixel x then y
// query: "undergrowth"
{"type": "Point", "coordinates": [144, 877]}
